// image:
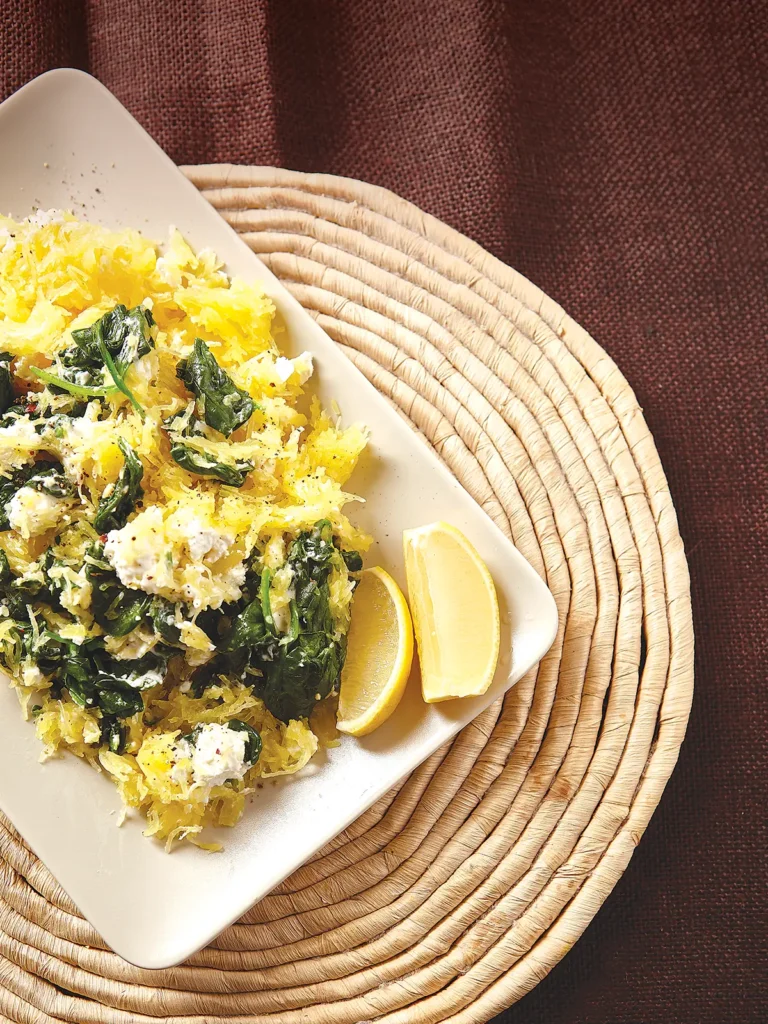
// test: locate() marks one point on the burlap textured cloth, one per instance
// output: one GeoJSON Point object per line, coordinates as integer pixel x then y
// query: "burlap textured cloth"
{"type": "Point", "coordinates": [614, 152]}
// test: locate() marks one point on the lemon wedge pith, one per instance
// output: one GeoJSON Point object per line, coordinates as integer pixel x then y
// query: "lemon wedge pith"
{"type": "Point", "coordinates": [455, 612]}
{"type": "Point", "coordinates": [379, 654]}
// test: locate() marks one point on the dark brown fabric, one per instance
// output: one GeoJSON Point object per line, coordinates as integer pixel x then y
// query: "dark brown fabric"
{"type": "Point", "coordinates": [614, 152]}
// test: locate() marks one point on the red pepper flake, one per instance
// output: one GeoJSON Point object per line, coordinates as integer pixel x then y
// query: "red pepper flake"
{"type": "Point", "coordinates": [31, 408]}
{"type": "Point", "coordinates": [103, 538]}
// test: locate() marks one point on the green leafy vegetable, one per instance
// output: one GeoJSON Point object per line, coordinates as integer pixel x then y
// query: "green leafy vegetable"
{"type": "Point", "coordinates": [116, 608]}
{"type": "Point", "coordinates": [304, 665]}
{"type": "Point", "coordinates": [80, 390]}
{"type": "Point", "coordinates": [50, 479]}
{"type": "Point", "coordinates": [252, 739]}
{"type": "Point", "coordinates": [18, 593]}
{"type": "Point", "coordinates": [113, 734]}
{"type": "Point", "coordinates": [117, 376]}
{"type": "Point", "coordinates": [14, 603]}
{"type": "Point", "coordinates": [310, 662]}
{"type": "Point", "coordinates": [113, 510]}
{"type": "Point", "coordinates": [184, 425]}
{"type": "Point", "coordinates": [353, 560]}
{"type": "Point", "coordinates": [49, 650]}
{"type": "Point", "coordinates": [308, 670]}
{"type": "Point", "coordinates": [117, 339]}
{"type": "Point", "coordinates": [6, 381]}
{"type": "Point", "coordinates": [11, 414]}
{"type": "Point", "coordinates": [47, 477]}
{"type": "Point", "coordinates": [107, 693]}
{"type": "Point", "coordinates": [250, 630]}
{"type": "Point", "coordinates": [37, 584]}
{"type": "Point", "coordinates": [163, 616]}
{"type": "Point", "coordinates": [220, 402]}
{"type": "Point", "coordinates": [96, 680]}
{"type": "Point", "coordinates": [203, 464]}
{"type": "Point", "coordinates": [125, 333]}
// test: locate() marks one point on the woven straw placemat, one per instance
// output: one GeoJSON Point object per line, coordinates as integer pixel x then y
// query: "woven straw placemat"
{"type": "Point", "coordinates": [458, 891]}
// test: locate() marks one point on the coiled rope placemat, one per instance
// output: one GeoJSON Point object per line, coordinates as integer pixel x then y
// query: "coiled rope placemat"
{"type": "Point", "coordinates": [457, 892]}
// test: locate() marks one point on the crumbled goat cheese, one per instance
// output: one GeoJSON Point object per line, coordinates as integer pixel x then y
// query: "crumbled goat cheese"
{"type": "Point", "coordinates": [302, 365]}
{"type": "Point", "coordinates": [31, 512]}
{"type": "Point", "coordinates": [158, 557]}
{"type": "Point", "coordinates": [137, 552]}
{"type": "Point", "coordinates": [217, 756]}
{"type": "Point", "coordinates": [85, 428]}
{"type": "Point", "coordinates": [205, 544]}
{"type": "Point", "coordinates": [18, 442]}
{"type": "Point", "coordinates": [234, 578]}
{"type": "Point", "coordinates": [80, 430]}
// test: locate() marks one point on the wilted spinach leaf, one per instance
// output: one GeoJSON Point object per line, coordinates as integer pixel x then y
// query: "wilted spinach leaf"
{"type": "Point", "coordinates": [220, 402]}
{"type": "Point", "coordinates": [304, 665]}
{"type": "Point", "coordinates": [103, 692]}
{"type": "Point", "coordinates": [250, 630]}
{"type": "Point", "coordinates": [47, 477]}
{"type": "Point", "coordinates": [37, 584]}
{"type": "Point", "coordinates": [185, 425]}
{"type": "Point", "coordinates": [163, 616]}
{"type": "Point", "coordinates": [308, 670]}
{"type": "Point", "coordinates": [203, 464]}
{"type": "Point", "coordinates": [231, 665]}
{"type": "Point", "coordinates": [81, 383]}
{"type": "Point", "coordinates": [96, 680]}
{"type": "Point", "coordinates": [138, 673]}
{"type": "Point", "coordinates": [49, 650]}
{"type": "Point", "coordinates": [252, 739]}
{"type": "Point", "coordinates": [102, 351]}
{"type": "Point", "coordinates": [248, 639]}
{"type": "Point", "coordinates": [11, 600]}
{"type": "Point", "coordinates": [116, 608]}
{"type": "Point", "coordinates": [113, 510]}
{"type": "Point", "coordinates": [11, 414]}
{"type": "Point", "coordinates": [50, 479]}
{"type": "Point", "coordinates": [353, 560]}
{"type": "Point", "coordinates": [310, 662]}
{"type": "Point", "coordinates": [113, 733]}
{"type": "Point", "coordinates": [126, 334]}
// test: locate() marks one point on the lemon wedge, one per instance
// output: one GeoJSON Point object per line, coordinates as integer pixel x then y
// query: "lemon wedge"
{"type": "Point", "coordinates": [379, 654]}
{"type": "Point", "coordinates": [455, 612]}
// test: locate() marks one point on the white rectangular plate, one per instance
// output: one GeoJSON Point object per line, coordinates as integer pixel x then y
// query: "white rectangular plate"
{"type": "Point", "coordinates": [68, 143]}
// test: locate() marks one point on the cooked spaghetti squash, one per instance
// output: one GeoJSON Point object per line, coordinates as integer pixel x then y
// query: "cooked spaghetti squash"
{"type": "Point", "coordinates": [176, 568]}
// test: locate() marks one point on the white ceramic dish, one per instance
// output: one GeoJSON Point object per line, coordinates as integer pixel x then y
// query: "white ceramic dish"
{"type": "Point", "coordinates": [67, 142]}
